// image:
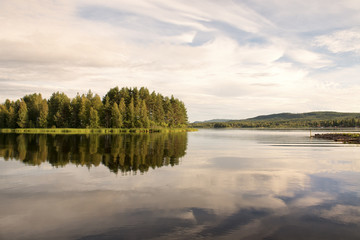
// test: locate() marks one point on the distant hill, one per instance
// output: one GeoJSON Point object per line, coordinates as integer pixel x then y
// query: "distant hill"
{"type": "Point", "coordinates": [305, 116]}
{"type": "Point", "coordinates": [321, 115]}
{"type": "Point", "coordinates": [214, 120]}
{"type": "Point", "coordinates": [288, 120]}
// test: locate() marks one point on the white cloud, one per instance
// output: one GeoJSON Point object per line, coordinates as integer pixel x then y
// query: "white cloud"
{"type": "Point", "coordinates": [340, 41]}
{"type": "Point", "coordinates": [223, 59]}
{"type": "Point", "coordinates": [308, 58]}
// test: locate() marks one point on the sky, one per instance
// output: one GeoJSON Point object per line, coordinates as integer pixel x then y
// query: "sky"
{"type": "Point", "coordinates": [224, 59]}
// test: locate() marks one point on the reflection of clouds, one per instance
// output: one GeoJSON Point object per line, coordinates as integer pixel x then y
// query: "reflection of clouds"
{"type": "Point", "coordinates": [202, 202]}
{"type": "Point", "coordinates": [240, 192]}
{"type": "Point", "coordinates": [312, 199]}
{"type": "Point", "coordinates": [343, 214]}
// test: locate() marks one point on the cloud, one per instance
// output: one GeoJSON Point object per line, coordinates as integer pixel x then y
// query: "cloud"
{"type": "Point", "coordinates": [308, 58]}
{"type": "Point", "coordinates": [203, 52]}
{"type": "Point", "coordinates": [340, 41]}
{"type": "Point", "coordinates": [294, 17]}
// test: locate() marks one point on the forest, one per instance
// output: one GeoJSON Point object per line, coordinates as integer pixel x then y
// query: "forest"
{"type": "Point", "coordinates": [119, 108]}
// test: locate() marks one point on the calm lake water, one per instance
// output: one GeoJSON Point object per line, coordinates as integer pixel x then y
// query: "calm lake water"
{"type": "Point", "coordinates": [211, 184]}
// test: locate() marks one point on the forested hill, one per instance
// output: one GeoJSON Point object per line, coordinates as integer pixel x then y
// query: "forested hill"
{"type": "Point", "coordinates": [119, 108]}
{"type": "Point", "coordinates": [306, 116]}
{"type": "Point", "coordinates": [290, 120]}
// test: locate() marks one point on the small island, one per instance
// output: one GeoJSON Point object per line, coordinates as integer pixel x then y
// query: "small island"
{"type": "Point", "coordinates": [341, 137]}
{"type": "Point", "coordinates": [120, 110]}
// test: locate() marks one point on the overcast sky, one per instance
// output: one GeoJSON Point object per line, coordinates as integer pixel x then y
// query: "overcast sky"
{"type": "Point", "coordinates": [224, 59]}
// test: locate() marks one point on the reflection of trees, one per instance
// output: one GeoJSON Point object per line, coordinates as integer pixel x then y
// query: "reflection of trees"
{"type": "Point", "coordinates": [124, 153]}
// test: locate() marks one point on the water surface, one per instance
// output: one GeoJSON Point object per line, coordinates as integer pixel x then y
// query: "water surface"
{"type": "Point", "coordinates": [211, 184]}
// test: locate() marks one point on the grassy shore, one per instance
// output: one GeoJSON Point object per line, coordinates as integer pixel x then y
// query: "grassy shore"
{"type": "Point", "coordinates": [92, 130]}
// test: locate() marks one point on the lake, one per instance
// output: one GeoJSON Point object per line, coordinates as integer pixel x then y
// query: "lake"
{"type": "Point", "coordinates": [210, 184]}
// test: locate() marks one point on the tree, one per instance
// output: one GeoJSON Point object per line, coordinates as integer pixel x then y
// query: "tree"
{"type": "Point", "coordinates": [75, 108]}
{"type": "Point", "coordinates": [122, 109]}
{"type": "Point", "coordinates": [169, 113]}
{"type": "Point", "coordinates": [83, 115]}
{"type": "Point", "coordinates": [22, 114]}
{"type": "Point", "coordinates": [131, 117]}
{"type": "Point", "coordinates": [43, 113]}
{"type": "Point", "coordinates": [159, 113]}
{"type": "Point", "coordinates": [33, 102]}
{"type": "Point", "coordinates": [138, 122]}
{"type": "Point", "coordinates": [116, 118]}
{"type": "Point", "coordinates": [144, 119]}
{"type": "Point", "coordinates": [94, 118]}
{"type": "Point", "coordinates": [11, 117]}
{"type": "Point", "coordinates": [3, 113]}
{"type": "Point", "coordinates": [113, 95]}
{"type": "Point", "coordinates": [106, 113]}
{"type": "Point", "coordinates": [96, 102]}
{"type": "Point", "coordinates": [59, 110]}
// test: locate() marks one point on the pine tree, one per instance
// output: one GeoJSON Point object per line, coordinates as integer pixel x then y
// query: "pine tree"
{"type": "Point", "coordinates": [94, 118]}
{"type": "Point", "coordinates": [169, 113]}
{"type": "Point", "coordinates": [83, 116]}
{"type": "Point", "coordinates": [3, 113]}
{"type": "Point", "coordinates": [33, 102]}
{"type": "Point", "coordinates": [122, 109]}
{"type": "Point", "coordinates": [106, 113]}
{"type": "Point", "coordinates": [138, 121]}
{"type": "Point", "coordinates": [75, 108]}
{"type": "Point", "coordinates": [22, 113]}
{"type": "Point", "coordinates": [131, 117]}
{"type": "Point", "coordinates": [43, 113]}
{"type": "Point", "coordinates": [11, 117]}
{"type": "Point", "coordinates": [159, 113]}
{"type": "Point", "coordinates": [144, 119]}
{"type": "Point", "coordinates": [59, 110]}
{"type": "Point", "coordinates": [116, 118]}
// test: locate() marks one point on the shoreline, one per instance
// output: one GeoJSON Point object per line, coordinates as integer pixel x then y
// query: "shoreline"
{"type": "Point", "coordinates": [93, 130]}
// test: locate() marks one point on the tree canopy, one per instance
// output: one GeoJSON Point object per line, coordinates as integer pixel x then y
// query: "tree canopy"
{"type": "Point", "coordinates": [119, 108]}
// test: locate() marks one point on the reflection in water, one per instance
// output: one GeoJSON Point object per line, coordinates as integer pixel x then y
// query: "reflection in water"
{"type": "Point", "coordinates": [231, 184]}
{"type": "Point", "coordinates": [124, 153]}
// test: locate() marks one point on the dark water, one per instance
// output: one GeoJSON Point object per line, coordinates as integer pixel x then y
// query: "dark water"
{"type": "Point", "coordinates": [211, 184]}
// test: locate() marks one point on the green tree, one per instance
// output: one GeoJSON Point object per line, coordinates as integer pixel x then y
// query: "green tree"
{"type": "Point", "coordinates": [106, 113]}
{"type": "Point", "coordinates": [116, 118]}
{"type": "Point", "coordinates": [169, 113]}
{"type": "Point", "coordinates": [11, 117]}
{"type": "Point", "coordinates": [94, 118]}
{"type": "Point", "coordinates": [22, 114]}
{"type": "Point", "coordinates": [43, 114]}
{"type": "Point", "coordinates": [3, 114]}
{"type": "Point", "coordinates": [122, 109]}
{"type": "Point", "coordinates": [138, 121]}
{"type": "Point", "coordinates": [75, 108]}
{"type": "Point", "coordinates": [144, 119]}
{"type": "Point", "coordinates": [59, 110]}
{"type": "Point", "coordinates": [131, 117]}
{"type": "Point", "coordinates": [158, 112]}
{"type": "Point", "coordinates": [33, 102]}
{"type": "Point", "coordinates": [83, 115]}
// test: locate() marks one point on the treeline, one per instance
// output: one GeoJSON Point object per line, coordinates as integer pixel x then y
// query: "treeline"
{"type": "Point", "coordinates": [119, 108]}
{"type": "Point", "coordinates": [340, 123]}
{"type": "Point", "coordinates": [123, 153]}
